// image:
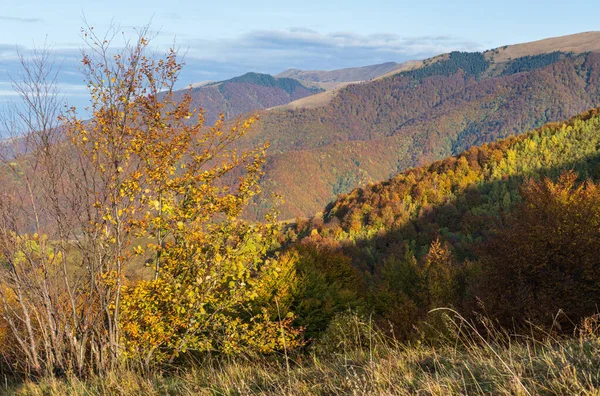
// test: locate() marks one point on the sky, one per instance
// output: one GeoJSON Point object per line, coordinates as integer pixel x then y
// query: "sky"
{"type": "Point", "coordinates": [222, 39]}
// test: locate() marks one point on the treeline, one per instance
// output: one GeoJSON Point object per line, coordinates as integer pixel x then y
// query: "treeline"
{"type": "Point", "coordinates": [471, 63]}
{"type": "Point", "coordinates": [532, 62]}
{"type": "Point", "coordinates": [289, 85]}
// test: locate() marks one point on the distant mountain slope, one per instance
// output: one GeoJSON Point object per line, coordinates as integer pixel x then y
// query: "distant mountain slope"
{"type": "Point", "coordinates": [575, 43]}
{"type": "Point", "coordinates": [332, 88]}
{"type": "Point", "coordinates": [255, 91]}
{"type": "Point", "coordinates": [248, 93]}
{"type": "Point", "coordinates": [342, 75]}
{"type": "Point", "coordinates": [372, 130]}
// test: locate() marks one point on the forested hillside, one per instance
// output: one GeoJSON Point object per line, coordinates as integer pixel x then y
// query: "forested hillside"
{"type": "Point", "coordinates": [512, 225]}
{"type": "Point", "coordinates": [247, 93]}
{"type": "Point", "coordinates": [372, 130]}
{"type": "Point", "coordinates": [127, 265]}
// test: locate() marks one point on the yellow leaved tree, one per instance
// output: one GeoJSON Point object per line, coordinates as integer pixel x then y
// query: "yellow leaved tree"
{"type": "Point", "coordinates": [143, 180]}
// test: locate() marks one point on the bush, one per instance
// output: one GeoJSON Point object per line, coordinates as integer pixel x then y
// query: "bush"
{"type": "Point", "coordinates": [545, 258]}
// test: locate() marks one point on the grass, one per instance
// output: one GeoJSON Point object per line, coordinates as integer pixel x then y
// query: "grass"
{"type": "Point", "coordinates": [360, 362]}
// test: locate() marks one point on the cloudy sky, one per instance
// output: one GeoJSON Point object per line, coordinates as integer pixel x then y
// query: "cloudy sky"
{"type": "Point", "coordinates": [226, 38]}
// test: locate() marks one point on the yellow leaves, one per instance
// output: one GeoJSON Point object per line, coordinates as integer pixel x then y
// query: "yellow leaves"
{"type": "Point", "coordinates": [166, 180]}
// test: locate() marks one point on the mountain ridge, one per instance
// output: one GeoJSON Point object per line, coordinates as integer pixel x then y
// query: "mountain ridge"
{"type": "Point", "coordinates": [371, 130]}
{"type": "Point", "coordinates": [350, 74]}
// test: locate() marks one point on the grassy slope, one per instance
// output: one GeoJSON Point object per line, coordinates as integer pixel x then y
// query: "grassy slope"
{"type": "Point", "coordinates": [464, 364]}
{"type": "Point", "coordinates": [577, 43]}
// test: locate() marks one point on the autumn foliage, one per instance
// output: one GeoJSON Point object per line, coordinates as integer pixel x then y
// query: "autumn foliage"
{"type": "Point", "coordinates": [499, 230]}
{"type": "Point", "coordinates": [140, 182]}
{"type": "Point", "coordinates": [123, 241]}
{"type": "Point", "coordinates": [544, 259]}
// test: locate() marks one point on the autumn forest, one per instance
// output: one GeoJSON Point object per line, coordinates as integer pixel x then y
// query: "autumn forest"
{"type": "Point", "coordinates": [434, 229]}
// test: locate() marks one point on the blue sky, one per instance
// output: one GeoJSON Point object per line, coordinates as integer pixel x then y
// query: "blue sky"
{"type": "Point", "coordinates": [227, 38]}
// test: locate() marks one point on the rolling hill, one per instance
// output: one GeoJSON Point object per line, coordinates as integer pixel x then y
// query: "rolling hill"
{"type": "Point", "coordinates": [247, 93]}
{"type": "Point", "coordinates": [372, 130]}
{"type": "Point", "coordinates": [255, 91]}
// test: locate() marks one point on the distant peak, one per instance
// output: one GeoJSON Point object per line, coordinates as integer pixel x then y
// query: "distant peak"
{"type": "Point", "coordinates": [350, 74]}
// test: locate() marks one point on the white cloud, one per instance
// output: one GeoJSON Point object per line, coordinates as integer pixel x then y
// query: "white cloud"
{"type": "Point", "coordinates": [7, 18]}
{"type": "Point", "coordinates": [275, 50]}
{"type": "Point", "coordinates": [267, 51]}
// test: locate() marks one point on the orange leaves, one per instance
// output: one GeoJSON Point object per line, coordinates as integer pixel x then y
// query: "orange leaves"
{"type": "Point", "coordinates": [164, 176]}
{"type": "Point", "coordinates": [544, 258]}
{"type": "Point", "coordinates": [151, 184]}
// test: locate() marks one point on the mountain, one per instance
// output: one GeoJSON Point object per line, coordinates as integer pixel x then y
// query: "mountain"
{"type": "Point", "coordinates": [333, 81]}
{"type": "Point", "coordinates": [247, 93]}
{"type": "Point", "coordinates": [372, 130]}
{"type": "Point", "coordinates": [353, 74]}
{"type": "Point", "coordinates": [255, 91]}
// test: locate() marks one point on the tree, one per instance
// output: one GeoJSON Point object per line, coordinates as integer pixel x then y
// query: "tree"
{"type": "Point", "coordinates": [438, 274]}
{"type": "Point", "coordinates": [326, 285]}
{"type": "Point", "coordinates": [142, 180]}
{"type": "Point", "coordinates": [545, 258]}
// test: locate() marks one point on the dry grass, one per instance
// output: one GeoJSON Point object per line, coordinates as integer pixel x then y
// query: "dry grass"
{"type": "Point", "coordinates": [320, 99]}
{"type": "Point", "coordinates": [360, 362]}
{"type": "Point", "coordinates": [577, 43]}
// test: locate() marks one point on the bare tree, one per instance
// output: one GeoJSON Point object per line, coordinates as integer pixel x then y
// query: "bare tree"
{"type": "Point", "coordinates": [64, 222]}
